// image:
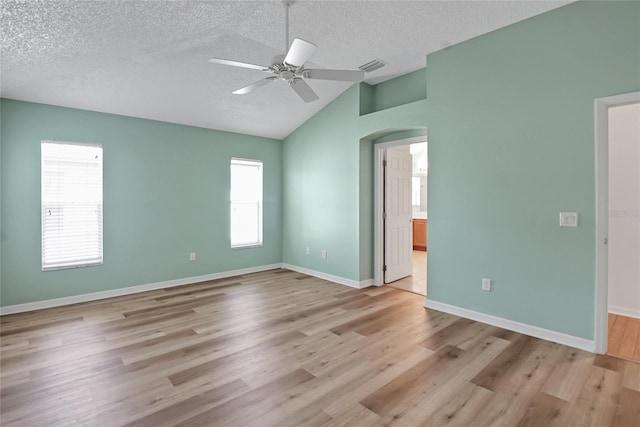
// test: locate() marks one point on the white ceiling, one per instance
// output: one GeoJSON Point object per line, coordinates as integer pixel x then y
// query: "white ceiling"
{"type": "Point", "coordinates": [149, 58]}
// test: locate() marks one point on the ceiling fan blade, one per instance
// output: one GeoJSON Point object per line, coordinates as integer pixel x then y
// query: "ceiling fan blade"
{"type": "Point", "coordinates": [238, 64]}
{"type": "Point", "coordinates": [342, 75]}
{"type": "Point", "coordinates": [299, 52]}
{"type": "Point", "coordinates": [252, 86]}
{"type": "Point", "coordinates": [303, 90]}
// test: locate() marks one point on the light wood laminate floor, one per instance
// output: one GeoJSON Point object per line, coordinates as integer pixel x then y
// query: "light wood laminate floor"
{"type": "Point", "coordinates": [280, 348]}
{"type": "Point", "coordinates": [624, 337]}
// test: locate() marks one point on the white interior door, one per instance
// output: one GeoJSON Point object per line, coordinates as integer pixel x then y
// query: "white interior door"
{"type": "Point", "coordinates": [398, 232]}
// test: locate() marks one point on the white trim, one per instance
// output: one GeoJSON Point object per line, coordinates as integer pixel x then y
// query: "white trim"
{"type": "Point", "coordinates": [601, 133]}
{"type": "Point", "coordinates": [94, 296]}
{"type": "Point", "coordinates": [330, 277]}
{"type": "Point", "coordinates": [623, 311]}
{"type": "Point", "coordinates": [378, 245]}
{"type": "Point", "coordinates": [366, 283]}
{"type": "Point", "coordinates": [378, 249]}
{"type": "Point", "coordinates": [534, 331]}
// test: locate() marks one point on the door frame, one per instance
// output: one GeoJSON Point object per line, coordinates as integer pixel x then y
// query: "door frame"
{"type": "Point", "coordinates": [378, 202]}
{"type": "Point", "coordinates": [601, 132]}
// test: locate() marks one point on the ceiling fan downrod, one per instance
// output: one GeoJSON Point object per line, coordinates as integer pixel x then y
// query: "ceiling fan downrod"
{"type": "Point", "coordinates": [287, 5]}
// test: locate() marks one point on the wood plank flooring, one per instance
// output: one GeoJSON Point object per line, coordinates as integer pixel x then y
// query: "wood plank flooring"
{"type": "Point", "coordinates": [624, 337]}
{"type": "Point", "coordinates": [280, 348]}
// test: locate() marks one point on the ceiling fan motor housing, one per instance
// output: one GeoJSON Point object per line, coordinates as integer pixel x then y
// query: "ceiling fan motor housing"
{"type": "Point", "coordinates": [286, 75]}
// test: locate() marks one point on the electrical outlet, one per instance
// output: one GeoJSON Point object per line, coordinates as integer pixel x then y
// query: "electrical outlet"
{"type": "Point", "coordinates": [308, 250]}
{"type": "Point", "coordinates": [486, 284]}
{"type": "Point", "coordinates": [192, 256]}
{"type": "Point", "coordinates": [324, 254]}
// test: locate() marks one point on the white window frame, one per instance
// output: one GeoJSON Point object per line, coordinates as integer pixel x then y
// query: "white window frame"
{"type": "Point", "coordinates": [234, 202]}
{"type": "Point", "coordinates": [66, 236]}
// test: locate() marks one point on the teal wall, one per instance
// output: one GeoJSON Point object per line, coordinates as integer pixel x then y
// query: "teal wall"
{"type": "Point", "coordinates": [320, 184]}
{"type": "Point", "coordinates": [328, 180]}
{"type": "Point", "coordinates": [365, 184]}
{"type": "Point", "coordinates": [401, 90]}
{"type": "Point", "coordinates": [1, 192]}
{"type": "Point", "coordinates": [511, 145]}
{"type": "Point", "coordinates": [510, 127]}
{"type": "Point", "coordinates": [367, 102]}
{"type": "Point", "coordinates": [402, 120]}
{"type": "Point", "coordinates": [166, 193]}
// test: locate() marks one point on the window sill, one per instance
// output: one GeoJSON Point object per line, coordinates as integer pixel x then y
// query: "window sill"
{"type": "Point", "coordinates": [68, 267]}
{"type": "Point", "coordinates": [249, 246]}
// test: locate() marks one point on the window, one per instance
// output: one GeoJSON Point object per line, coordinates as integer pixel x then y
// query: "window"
{"type": "Point", "coordinates": [246, 203]}
{"type": "Point", "coordinates": [71, 205]}
{"type": "Point", "coordinates": [415, 191]}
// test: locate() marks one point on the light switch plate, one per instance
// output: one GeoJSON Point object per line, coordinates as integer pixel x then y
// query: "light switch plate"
{"type": "Point", "coordinates": [568, 219]}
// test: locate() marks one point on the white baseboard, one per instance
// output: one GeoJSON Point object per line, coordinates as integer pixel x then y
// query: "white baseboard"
{"type": "Point", "coordinates": [39, 305]}
{"type": "Point", "coordinates": [330, 277]}
{"type": "Point", "coordinates": [534, 331]}
{"type": "Point", "coordinates": [623, 311]}
{"type": "Point", "coordinates": [366, 283]}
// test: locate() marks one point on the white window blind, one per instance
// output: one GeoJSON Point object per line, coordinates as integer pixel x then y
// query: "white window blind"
{"type": "Point", "coordinates": [71, 205]}
{"type": "Point", "coordinates": [246, 203]}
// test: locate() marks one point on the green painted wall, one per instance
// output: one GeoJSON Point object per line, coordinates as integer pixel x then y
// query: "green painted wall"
{"type": "Point", "coordinates": [405, 89]}
{"type": "Point", "coordinates": [365, 184]}
{"type": "Point", "coordinates": [366, 99]}
{"type": "Point", "coordinates": [328, 179]}
{"type": "Point", "coordinates": [1, 192]}
{"type": "Point", "coordinates": [511, 145]}
{"type": "Point", "coordinates": [510, 125]}
{"type": "Point", "coordinates": [403, 118]}
{"type": "Point", "coordinates": [320, 187]}
{"type": "Point", "coordinates": [399, 135]}
{"type": "Point", "coordinates": [166, 190]}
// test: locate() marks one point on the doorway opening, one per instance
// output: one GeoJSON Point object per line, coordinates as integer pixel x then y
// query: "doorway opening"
{"type": "Point", "coordinates": [624, 232]}
{"type": "Point", "coordinates": [617, 317]}
{"type": "Point", "coordinates": [401, 214]}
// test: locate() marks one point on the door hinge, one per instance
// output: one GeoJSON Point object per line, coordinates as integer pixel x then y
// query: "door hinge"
{"type": "Point", "coordinates": [606, 240]}
{"type": "Point", "coordinates": [384, 163]}
{"type": "Point", "coordinates": [384, 215]}
{"type": "Point", "coordinates": [384, 268]}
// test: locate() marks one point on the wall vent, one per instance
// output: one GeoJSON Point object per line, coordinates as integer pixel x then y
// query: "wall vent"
{"type": "Point", "coordinates": [372, 65]}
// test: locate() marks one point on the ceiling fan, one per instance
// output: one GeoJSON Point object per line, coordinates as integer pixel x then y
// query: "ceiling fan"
{"type": "Point", "coordinates": [290, 68]}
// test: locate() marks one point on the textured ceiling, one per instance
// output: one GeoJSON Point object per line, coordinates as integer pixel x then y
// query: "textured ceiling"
{"type": "Point", "coordinates": [149, 58]}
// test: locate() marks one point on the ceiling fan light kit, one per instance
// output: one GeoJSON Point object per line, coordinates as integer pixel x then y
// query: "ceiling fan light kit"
{"type": "Point", "coordinates": [291, 68]}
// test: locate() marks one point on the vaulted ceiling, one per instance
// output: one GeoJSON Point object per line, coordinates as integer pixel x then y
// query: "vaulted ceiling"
{"type": "Point", "coordinates": [148, 59]}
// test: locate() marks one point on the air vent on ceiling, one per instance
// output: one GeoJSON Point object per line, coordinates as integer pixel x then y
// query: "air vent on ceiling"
{"type": "Point", "coordinates": [372, 65]}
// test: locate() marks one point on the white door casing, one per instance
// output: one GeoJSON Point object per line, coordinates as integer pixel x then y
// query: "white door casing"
{"type": "Point", "coordinates": [398, 210]}
{"type": "Point", "coordinates": [379, 150]}
{"type": "Point", "coordinates": [601, 121]}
